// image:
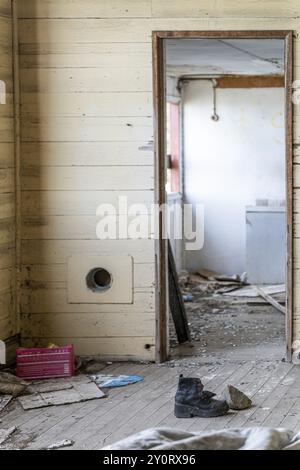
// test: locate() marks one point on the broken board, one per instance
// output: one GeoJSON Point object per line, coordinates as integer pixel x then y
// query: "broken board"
{"type": "Point", "coordinates": [176, 302]}
{"type": "Point", "coordinates": [251, 291]}
{"type": "Point", "coordinates": [4, 401]}
{"type": "Point", "coordinates": [82, 389]}
{"type": "Point", "coordinates": [6, 433]}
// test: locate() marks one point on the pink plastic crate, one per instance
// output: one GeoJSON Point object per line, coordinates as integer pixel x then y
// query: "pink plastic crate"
{"type": "Point", "coordinates": [43, 363]}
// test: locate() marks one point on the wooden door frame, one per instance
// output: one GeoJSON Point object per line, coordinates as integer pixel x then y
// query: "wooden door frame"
{"type": "Point", "coordinates": [161, 258]}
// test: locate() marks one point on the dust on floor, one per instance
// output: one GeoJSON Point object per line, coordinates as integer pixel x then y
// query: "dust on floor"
{"type": "Point", "coordinates": [273, 387]}
{"type": "Point", "coordinates": [229, 326]}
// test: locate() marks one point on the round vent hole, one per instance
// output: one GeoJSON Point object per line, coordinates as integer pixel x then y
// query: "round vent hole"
{"type": "Point", "coordinates": [98, 279]}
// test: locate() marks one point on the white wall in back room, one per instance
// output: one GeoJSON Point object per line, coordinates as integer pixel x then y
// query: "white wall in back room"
{"type": "Point", "coordinates": [230, 164]}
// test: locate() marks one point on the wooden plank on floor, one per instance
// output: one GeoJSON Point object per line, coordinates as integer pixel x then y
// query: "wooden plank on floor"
{"type": "Point", "coordinates": [262, 400]}
{"type": "Point", "coordinates": [239, 372]}
{"type": "Point", "coordinates": [20, 418]}
{"type": "Point", "coordinates": [96, 437]}
{"type": "Point", "coordinates": [250, 383]}
{"type": "Point", "coordinates": [161, 405]}
{"type": "Point", "coordinates": [274, 388]}
{"type": "Point", "coordinates": [291, 420]}
{"type": "Point", "coordinates": [76, 425]}
{"type": "Point", "coordinates": [284, 406]}
{"type": "Point", "coordinates": [222, 373]}
{"type": "Point", "coordinates": [40, 423]}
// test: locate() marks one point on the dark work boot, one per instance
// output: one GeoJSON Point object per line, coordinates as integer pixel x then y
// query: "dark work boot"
{"type": "Point", "coordinates": [191, 400]}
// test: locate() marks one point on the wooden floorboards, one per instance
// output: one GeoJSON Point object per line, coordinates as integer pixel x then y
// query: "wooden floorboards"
{"type": "Point", "coordinates": [272, 385]}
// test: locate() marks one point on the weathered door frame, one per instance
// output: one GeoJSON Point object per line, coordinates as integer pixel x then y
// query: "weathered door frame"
{"type": "Point", "coordinates": [161, 258]}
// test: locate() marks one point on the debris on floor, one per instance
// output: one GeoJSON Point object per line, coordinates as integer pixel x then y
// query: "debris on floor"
{"type": "Point", "coordinates": [236, 399]}
{"type": "Point", "coordinates": [270, 299]}
{"type": "Point", "coordinates": [226, 316]}
{"type": "Point", "coordinates": [213, 276]}
{"type": "Point", "coordinates": [251, 291]}
{"type": "Point", "coordinates": [82, 389]}
{"type": "Point", "coordinates": [188, 297]}
{"type": "Point", "coordinates": [6, 433]}
{"type": "Point", "coordinates": [11, 385]}
{"type": "Point", "coordinates": [109, 381]}
{"type": "Point", "coordinates": [59, 445]}
{"type": "Point", "coordinates": [4, 401]}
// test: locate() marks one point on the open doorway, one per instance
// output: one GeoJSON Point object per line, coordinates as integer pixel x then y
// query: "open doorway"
{"type": "Point", "coordinates": [223, 144]}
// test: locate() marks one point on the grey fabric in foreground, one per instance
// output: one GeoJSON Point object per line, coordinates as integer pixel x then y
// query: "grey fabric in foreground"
{"type": "Point", "coordinates": [258, 438]}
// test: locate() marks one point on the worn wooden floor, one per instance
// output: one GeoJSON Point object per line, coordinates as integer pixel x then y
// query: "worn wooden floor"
{"type": "Point", "coordinates": [274, 387]}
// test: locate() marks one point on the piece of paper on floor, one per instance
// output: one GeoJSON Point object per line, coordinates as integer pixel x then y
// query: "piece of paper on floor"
{"type": "Point", "coordinates": [108, 381]}
{"type": "Point", "coordinates": [83, 389]}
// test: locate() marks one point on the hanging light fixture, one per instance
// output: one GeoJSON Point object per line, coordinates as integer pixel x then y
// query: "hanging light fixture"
{"type": "Point", "coordinates": [214, 115]}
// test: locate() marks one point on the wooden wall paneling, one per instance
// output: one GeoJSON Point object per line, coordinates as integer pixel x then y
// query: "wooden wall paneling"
{"type": "Point", "coordinates": [7, 257]}
{"type": "Point", "coordinates": [80, 80]}
{"type": "Point", "coordinates": [77, 9]}
{"type": "Point", "coordinates": [50, 274]}
{"type": "Point", "coordinates": [39, 204]}
{"type": "Point", "coordinates": [136, 31]}
{"type": "Point", "coordinates": [95, 325]}
{"type": "Point", "coordinates": [84, 54]}
{"type": "Point", "coordinates": [86, 178]}
{"type": "Point", "coordinates": [85, 154]}
{"type": "Point", "coordinates": [57, 251]}
{"type": "Point", "coordinates": [6, 130]}
{"type": "Point", "coordinates": [127, 104]}
{"type": "Point", "coordinates": [55, 301]}
{"type": "Point", "coordinates": [6, 155]}
{"type": "Point", "coordinates": [67, 227]}
{"type": "Point", "coordinates": [7, 205]}
{"type": "Point", "coordinates": [86, 75]}
{"type": "Point", "coordinates": [83, 129]}
{"type": "Point", "coordinates": [8, 324]}
{"type": "Point", "coordinates": [109, 348]}
{"type": "Point", "coordinates": [221, 9]}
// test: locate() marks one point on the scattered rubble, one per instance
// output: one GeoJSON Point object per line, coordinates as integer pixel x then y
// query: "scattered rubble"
{"type": "Point", "coordinates": [11, 385]}
{"type": "Point", "coordinates": [4, 401]}
{"type": "Point", "coordinates": [218, 320]}
{"type": "Point", "coordinates": [59, 445]}
{"type": "Point", "coordinates": [236, 399]}
{"type": "Point", "coordinates": [6, 433]}
{"type": "Point", "coordinates": [188, 297]}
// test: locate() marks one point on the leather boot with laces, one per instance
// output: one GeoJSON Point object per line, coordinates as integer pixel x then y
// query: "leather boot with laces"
{"type": "Point", "coordinates": [191, 400]}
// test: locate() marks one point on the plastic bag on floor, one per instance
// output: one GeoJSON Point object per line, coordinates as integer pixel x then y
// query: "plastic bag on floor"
{"type": "Point", "coordinates": [109, 381]}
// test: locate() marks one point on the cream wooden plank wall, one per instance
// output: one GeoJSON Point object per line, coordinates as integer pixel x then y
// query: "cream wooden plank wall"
{"type": "Point", "coordinates": [86, 95]}
{"type": "Point", "coordinates": [8, 320]}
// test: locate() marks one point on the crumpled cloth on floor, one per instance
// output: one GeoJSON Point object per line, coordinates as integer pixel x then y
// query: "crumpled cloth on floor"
{"type": "Point", "coordinates": [257, 438]}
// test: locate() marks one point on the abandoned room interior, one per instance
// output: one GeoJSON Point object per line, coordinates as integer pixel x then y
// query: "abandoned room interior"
{"type": "Point", "coordinates": [149, 232]}
{"type": "Point", "coordinates": [226, 149]}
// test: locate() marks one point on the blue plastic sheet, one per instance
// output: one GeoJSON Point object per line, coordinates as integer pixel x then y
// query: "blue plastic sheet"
{"type": "Point", "coordinates": [109, 381]}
